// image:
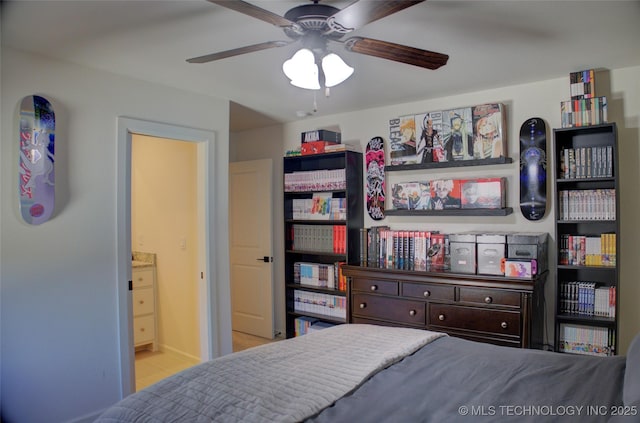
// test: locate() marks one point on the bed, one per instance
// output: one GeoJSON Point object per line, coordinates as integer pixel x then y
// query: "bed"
{"type": "Point", "coordinates": [367, 373]}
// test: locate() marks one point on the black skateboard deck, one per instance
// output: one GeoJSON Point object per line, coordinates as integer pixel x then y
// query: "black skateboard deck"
{"type": "Point", "coordinates": [533, 169]}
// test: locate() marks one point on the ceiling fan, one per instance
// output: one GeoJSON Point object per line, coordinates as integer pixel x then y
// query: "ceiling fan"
{"type": "Point", "coordinates": [314, 25]}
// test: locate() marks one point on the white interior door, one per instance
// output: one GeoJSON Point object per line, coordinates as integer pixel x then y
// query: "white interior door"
{"type": "Point", "coordinates": [251, 250]}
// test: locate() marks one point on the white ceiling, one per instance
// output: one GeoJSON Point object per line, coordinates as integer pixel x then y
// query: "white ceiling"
{"type": "Point", "coordinates": [490, 44]}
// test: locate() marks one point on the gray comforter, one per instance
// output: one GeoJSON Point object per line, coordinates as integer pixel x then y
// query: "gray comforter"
{"type": "Point", "coordinates": [454, 380]}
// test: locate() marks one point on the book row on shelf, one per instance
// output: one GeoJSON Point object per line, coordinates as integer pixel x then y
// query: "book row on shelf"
{"type": "Point", "coordinates": [406, 250]}
{"type": "Point", "coordinates": [588, 204]}
{"type": "Point", "coordinates": [320, 238]}
{"type": "Point", "coordinates": [334, 306]}
{"type": "Point", "coordinates": [305, 325]}
{"type": "Point", "coordinates": [587, 299]}
{"type": "Point", "coordinates": [513, 254]}
{"type": "Point", "coordinates": [586, 162]}
{"type": "Point", "coordinates": [322, 206]}
{"type": "Point", "coordinates": [587, 340]}
{"type": "Point", "coordinates": [583, 250]}
{"type": "Point", "coordinates": [315, 180]}
{"type": "Point", "coordinates": [320, 275]}
{"type": "Point", "coordinates": [583, 112]}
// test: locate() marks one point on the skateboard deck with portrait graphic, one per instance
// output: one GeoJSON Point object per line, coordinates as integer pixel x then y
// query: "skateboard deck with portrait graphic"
{"type": "Point", "coordinates": [533, 169]}
{"type": "Point", "coordinates": [36, 178]}
{"type": "Point", "coordinates": [374, 162]}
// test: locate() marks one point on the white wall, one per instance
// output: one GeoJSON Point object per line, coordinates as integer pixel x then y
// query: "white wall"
{"type": "Point", "coordinates": [539, 99]}
{"type": "Point", "coordinates": [59, 310]}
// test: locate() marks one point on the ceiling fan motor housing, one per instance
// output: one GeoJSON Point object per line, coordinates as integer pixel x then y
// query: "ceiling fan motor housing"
{"type": "Point", "coordinates": [312, 18]}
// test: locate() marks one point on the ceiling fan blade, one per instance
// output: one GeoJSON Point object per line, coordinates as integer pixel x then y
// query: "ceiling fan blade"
{"type": "Point", "coordinates": [360, 13]}
{"type": "Point", "coordinates": [396, 52]}
{"type": "Point", "coordinates": [256, 12]}
{"type": "Point", "coordinates": [237, 51]}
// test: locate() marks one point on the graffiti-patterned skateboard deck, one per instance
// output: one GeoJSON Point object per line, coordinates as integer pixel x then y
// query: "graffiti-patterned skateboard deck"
{"type": "Point", "coordinates": [36, 161]}
{"type": "Point", "coordinates": [374, 161]}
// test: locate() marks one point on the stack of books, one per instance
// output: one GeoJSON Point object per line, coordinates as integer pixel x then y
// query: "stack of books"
{"type": "Point", "coordinates": [582, 250]}
{"type": "Point", "coordinates": [585, 107]}
{"type": "Point", "coordinates": [587, 340]}
{"type": "Point", "coordinates": [587, 299]}
{"type": "Point", "coordinates": [320, 275]}
{"type": "Point", "coordinates": [318, 303]}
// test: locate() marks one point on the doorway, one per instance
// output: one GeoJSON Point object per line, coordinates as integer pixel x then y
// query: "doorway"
{"type": "Point", "coordinates": [210, 341]}
{"type": "Point", "coordinates": [164, 227]}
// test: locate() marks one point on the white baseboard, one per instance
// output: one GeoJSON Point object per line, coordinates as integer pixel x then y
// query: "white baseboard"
{"type": "Point", "coordinates": [184, 355]}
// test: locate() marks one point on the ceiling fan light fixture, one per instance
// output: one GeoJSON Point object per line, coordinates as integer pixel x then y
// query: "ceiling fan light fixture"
{"type": "Point", "coordinates": [335, 70]}
{"type": "Point", "coordinates": [302, 70]}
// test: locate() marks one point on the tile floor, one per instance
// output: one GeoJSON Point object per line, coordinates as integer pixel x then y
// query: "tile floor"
{"type": "Point", "coordinates": [154, 366]}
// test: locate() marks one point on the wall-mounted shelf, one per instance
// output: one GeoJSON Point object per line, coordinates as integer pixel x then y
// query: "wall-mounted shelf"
{"type": "Point", "coordinates": [457, 163]}
{"type": "Point", "coordinates": [452, 212]}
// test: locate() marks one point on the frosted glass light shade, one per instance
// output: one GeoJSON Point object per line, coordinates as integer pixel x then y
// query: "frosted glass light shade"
{"type": "Point", "coordinates": [302, 70]}
{"type": "Point", "coordinates": [335, 70]}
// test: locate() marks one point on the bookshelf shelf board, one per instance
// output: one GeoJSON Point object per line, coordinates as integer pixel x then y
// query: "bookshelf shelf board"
{"type": "Point", "coordinates": [317, 221]}
{"type": "Point", "coordinates": [597, 129]}
{"type": "Point", "coordinates": [440, 165]}
{"type": "Point", "coordinates": [317, 253]}
{"type": "Point", "coordinates": [584, 221]}
{"type": "Point", "coordinates": [331, 291]}
{"type": "Point", "coordinates": [309, 192]}
{"type": "Point", "coordinates": [574, 267]}
{"type": "Point", "coordinates": [591, 320]}
{"type": "Point", "coordinates": [322, 317]}
{"type": "Point", "coordinates": [453, 212]}
{"type": "Point", "coordinates": [573, 180]}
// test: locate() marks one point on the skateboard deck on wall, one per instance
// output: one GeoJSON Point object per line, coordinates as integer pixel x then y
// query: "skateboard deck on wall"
{"type": "Point", "coordinates": [374, 162]}
{"type": "Point", "coordinates": [36, 159]}
{"type": "Point", "coordinates": [533, 169]}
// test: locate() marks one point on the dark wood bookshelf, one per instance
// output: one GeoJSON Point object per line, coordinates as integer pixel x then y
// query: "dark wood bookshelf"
{"type": "Point", "coordinates": [351, 162]}
{"type": "Point", "coordinates": [587, 139]}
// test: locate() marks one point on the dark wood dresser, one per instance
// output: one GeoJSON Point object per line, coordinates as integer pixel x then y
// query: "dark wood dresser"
{"type": "Point", "coordinates": [492, 309]}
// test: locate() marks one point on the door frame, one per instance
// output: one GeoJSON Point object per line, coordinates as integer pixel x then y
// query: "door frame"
{"type": "Point", "coordinates": [209, 300]}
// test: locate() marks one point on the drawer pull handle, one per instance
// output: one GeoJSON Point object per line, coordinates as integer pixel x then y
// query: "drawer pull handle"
{"type": "Point", "coordinates": [488, 300]}
{"type": "Point", "coordinates": [412, 312]}
{"type": "Point", "coordinates": [141, 329]}
{"type": "Point", "coordinates": [363, 305]}
{"type": "Point", "coordinates": [426, 293]}
{"type": "Point", "coordinates": [504, 325]}
{"type": "Point", "coordinates": [374, 287]}
{"type": "Point", "coordinates": [441, 317]}
{"type": "Point", "coordinates": [141, 301]}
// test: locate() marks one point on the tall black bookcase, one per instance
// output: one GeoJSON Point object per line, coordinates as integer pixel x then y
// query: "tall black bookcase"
{"type": "Point", "coordinates": [587, 230]}
{"type": "Point", "coordinates": [300, 248]}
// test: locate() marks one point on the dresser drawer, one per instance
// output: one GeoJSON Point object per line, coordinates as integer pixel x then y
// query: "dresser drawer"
{"type": "Point", "coordinates": [143, 330]}
{"type": "Point", "coordinates": [385, 308]}
{"type": "Point", "coordinates": [489, 296]}
{"type": "Point", "coordinates": [474, 319]}
{"type": "Point", "coordinates": [377, 286]}
{"type": "Point", "coordinates": [428, 291]}
{"type": "Point", "coordinates": [143, 301]}
{"type": "Point", "coordinates": [142, 278]}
